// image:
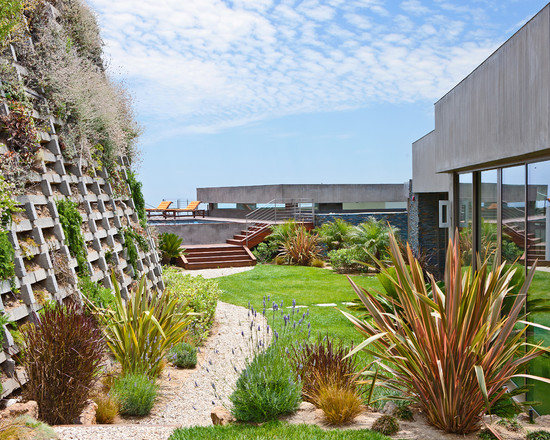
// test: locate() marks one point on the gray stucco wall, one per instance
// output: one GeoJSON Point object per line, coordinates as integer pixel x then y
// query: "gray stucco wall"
{"type": "Point", "coordinates": [202, 233]}
{"type": "Point", "coordinates": [320, 193]}
{"type": "Point", "coordinates": [425, 177]}
{"type": "Point", "coordinates": [500, 112]}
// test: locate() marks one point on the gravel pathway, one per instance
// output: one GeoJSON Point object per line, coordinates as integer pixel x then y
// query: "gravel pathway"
{"type": "Point", "coordinates": [209, 385]}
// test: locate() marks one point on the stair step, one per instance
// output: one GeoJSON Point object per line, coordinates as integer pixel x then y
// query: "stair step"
{"type": "Point", "coordinates": [217, 264]}
{"type": "Point", "coordinates": [225, 251]}
{"type": "Point", "coordinates": [200, 258]}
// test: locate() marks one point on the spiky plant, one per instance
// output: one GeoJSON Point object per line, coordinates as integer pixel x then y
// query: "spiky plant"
{"type": "Point", "coordinates": [451, 353]}
{"type": "Point", "coordinates": [301, 248]}
{"type": "Point", "coordinates": [141, 330]}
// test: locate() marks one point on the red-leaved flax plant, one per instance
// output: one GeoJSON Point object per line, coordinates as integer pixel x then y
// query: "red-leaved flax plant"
{"type": "Point", "coordinates": [448, 349]}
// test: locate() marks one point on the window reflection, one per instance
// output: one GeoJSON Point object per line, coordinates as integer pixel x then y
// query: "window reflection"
{"type": "Point", "coordinates": [488, 215]}
{"type": "Point", "coordinates": [539, 213]}
{"type": "Point", "coordinates": [465, 204]}
{"type": "Point", "coordinates": [513, 213]}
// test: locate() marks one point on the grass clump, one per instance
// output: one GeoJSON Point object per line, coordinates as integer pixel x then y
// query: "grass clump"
{"type": "Point", "coordinates": [403, 413]}
{"type": "Point", "coordinates": [25, 427]}
{"type": "Point", "coordinates": [339, 405]}
{"type": "Point", "coordinates": [136, 394]}
{"type": "Point", "coordinates": [107, 408]}
{"type": "Point", "coordinates": [538, 435]}
{"type": "Point", "coordinates": [62, 356]}
{"type": "Point", "coordinates": [272, 430]}
{"type": "Point", "coordinates": [183, 355]}
{"type": "Point", "coordinates": [386, 424]}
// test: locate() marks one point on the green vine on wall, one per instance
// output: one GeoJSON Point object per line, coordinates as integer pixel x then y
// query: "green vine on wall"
{"type": "Point", "coordinates": [131, 250]}
{"type": "Point", "coordinates": [137, 195]}
{"type": "Point", "coordinates": [8, 206]}
{"type": "Point", "coordinates": [131, 238]}
{"type": "Point", "coordinates": [71, 221]}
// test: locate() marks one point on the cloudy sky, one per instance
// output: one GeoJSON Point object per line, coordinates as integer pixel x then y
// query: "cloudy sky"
{"type": "Point", "coordinates": [234, 92]}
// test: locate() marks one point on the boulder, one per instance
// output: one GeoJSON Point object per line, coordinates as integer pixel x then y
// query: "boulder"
{"type": "Point", "coordinates": [87, 416]}
{"type": "Point", "coordinates": [18, 409]}
{"type": "Point", "coordinates": [389, 408]}
{"type": "Point", "coordinates": [221, 416]}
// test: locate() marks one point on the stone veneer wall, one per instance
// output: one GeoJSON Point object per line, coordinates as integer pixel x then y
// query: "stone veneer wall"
{"type": "Point", "coordinates": [425, 235]}
{"type": "Point", "coordinates": [397, 219]}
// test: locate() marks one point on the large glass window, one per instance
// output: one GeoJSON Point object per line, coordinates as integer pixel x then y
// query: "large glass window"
{"type": "Point", "coordinates": [513, 213]}
{"type": "Point", "coordinates": [538, 221]}
{"type": "Point", "coordinates": [488, 236]}
{"type": "Point", "coordinates": [465, 216]}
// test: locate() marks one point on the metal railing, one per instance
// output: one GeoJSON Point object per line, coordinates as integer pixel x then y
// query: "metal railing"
{"type": "Point", "coordinates": [281, 210]}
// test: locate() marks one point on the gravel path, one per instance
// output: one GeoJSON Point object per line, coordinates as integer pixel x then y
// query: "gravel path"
{"type": "Point", "coordinates": [209, 385]}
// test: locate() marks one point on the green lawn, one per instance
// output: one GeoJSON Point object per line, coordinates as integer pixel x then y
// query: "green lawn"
{"type": "Point", "coordinates": [540, 289]}
{"type": "Point", "coordinates": [308, 286]}
{"type": "Point", "coordinates": [273, 431]}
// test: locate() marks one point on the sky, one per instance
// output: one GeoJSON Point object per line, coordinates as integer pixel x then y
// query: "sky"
{"type": "Point", "coordinates": [252, 92]}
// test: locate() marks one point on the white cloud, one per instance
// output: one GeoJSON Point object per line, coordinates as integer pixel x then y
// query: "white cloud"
{"type": "Point", "coordinates": [209, 65]}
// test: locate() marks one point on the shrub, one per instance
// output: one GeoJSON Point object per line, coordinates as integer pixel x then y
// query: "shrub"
{"type": "Point", "coordinates": [200, 295]}
{"type": "Point", "coordinates": [141, 330]}
{"type": "Point", "coordinates": [538, 435]}
{"type": "Point", "coordinates": [71, 221]}
{"type": "Point", "coordinates": [386, 424]}
{"type": "Point", "coordinates": [300, 248]}
{"type": "Point", "coordinates": [99, 296]}
{"type": "Point", "coordinates": [266, 389]}
{"type": "Point", "coordinates": [266, 251]}
{"type": "Point", "coordinates": [339, 405]}
{"type": "Point", "coordinates": [346, 260]}
{"type": "Point", "coordinates": [170, 247]}
{"type": "Point", "coordinates": [183, 355]}
{"type": "Point", "coordinates": [323, 363]}
{"type": "Point", "coordinates": [136, 394]}
{"type": "Point", "coordinates": [62, 356]}
{"type": "Point", "coordinates": [461, 348]}
{"type": "Point", "coordinates": [107, 408]}
{"type": "Point", "coordinates": [335, 235]}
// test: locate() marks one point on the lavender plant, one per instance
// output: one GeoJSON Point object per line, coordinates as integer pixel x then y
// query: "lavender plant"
{"type": "Point", "coordinates": [267, 387]}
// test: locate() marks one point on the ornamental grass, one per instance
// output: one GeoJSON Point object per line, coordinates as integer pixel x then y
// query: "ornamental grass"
{"type": "Point", "coordinates": [448, 349]}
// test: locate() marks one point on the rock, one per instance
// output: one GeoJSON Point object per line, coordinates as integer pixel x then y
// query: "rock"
{"type": "Point", "coordinates": [389, 408]}
{"type": "Point", "coordinates": [307, 407]}
{"type": "Point", "coordinates": [221, 416]}
{"type": "Point", "coordinates": [87, 416]}
{"type": "Point", "coordinates": [17, 409]}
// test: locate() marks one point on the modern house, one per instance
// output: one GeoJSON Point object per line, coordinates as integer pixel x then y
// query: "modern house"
{"type": "Point", "coordinates": [485, 169]}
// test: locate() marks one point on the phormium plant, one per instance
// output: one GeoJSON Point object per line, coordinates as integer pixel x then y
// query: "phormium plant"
{"type": "Point", "coordinates": [141, 330]}
{"type": "Point", "coordinates": [62, 357]}
{"type": "Point", "coordinates": [450, 350]}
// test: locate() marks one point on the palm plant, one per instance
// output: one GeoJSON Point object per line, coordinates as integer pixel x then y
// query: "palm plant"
{"type": "Point", "coordinates": [335, 235]}
{"type": "Point", "coordinates": [281, 233]}
{"type": "Point", "coordinates": [450, 350]}
{"type": "Point", "coordinates": [373, 236]}
{"type": "Point", "coordinates": [141, 330]}
{"type": "Point", "coordinates": [170, 247]}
